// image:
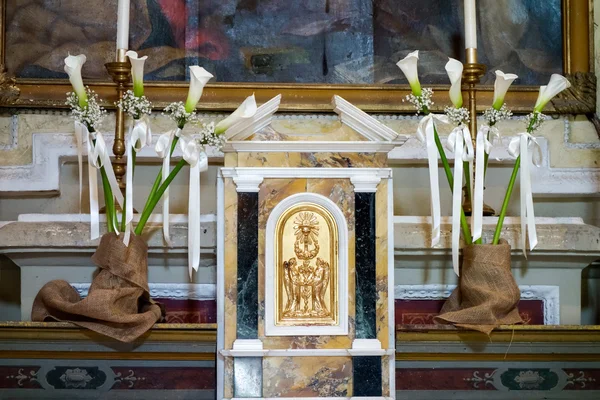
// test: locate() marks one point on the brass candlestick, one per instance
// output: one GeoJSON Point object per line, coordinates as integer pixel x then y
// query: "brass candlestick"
{"type": "Point", "coordinates": [120, 72]}
{"type": "Point", "coordinates": [472, 73]}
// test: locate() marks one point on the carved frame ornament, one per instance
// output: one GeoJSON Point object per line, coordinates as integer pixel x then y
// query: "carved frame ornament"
{"type": "Point", "coordinates": [577, 44]}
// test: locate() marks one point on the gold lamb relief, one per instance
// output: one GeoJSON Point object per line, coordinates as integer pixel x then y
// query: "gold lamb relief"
{"type": "Point", "coordinates": [306, 274]}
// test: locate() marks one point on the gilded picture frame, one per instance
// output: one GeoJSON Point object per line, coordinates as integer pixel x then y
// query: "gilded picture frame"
{"type": "Point", "coordinates": [577, 51]}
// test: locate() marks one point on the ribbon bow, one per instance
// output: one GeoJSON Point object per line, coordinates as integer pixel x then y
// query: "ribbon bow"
{"type": "Point", "coordinates": [460, 143]}
{"type": "Point", "coordinates": [426, 134]}
{"type": "Point", "coordinates": [140, 135]}
{"type": "Point", "coordinates": [196, 158]}
{"type": "Point", "coordinates": [163, 149]}
{"type": "Point", "coordinates": [97, 158]}
{"type": "Point", "coordinates": [519, 147]}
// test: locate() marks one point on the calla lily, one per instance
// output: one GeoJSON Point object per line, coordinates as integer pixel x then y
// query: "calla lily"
{"type": "Point", "coordinates": [198, 79]}
{"type": "Point", "coordinates": [137, 72]}
{"type": "Point", "coordinates": [73, 66]}
{"type": "Point", "coordinates": [454, 68]}
{"type": "Point", "coordinates": [408, 65]}
{"type": "Point", "coordinates": [246, 110]}
{"type": "Point", "coordinates": [557, 84]}
{"type": "Point", "coordinates": [503, 82]}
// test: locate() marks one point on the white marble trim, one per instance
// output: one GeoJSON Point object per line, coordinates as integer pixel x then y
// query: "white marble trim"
{"type": "Point", "coordinates": [220, 286]}
{"type": "Point", "coordinates": [322, 173]}
{"type": "Point", "coordinates": [342, 328]}
{"type": "Point", "coordinates": [547, 293]}
{"type": "Point", "coordinates": [174, 291]}
{"type": "Point", "coordinates": [305, 352]}
{"type": "Point", "coordinates": [312, 398]}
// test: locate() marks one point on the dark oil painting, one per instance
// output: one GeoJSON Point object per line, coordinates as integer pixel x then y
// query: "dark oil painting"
{"type": "Point", "coordinates": [284, 41]}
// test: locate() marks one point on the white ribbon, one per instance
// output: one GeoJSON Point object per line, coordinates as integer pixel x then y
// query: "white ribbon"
{"type": "Point", "coordinates": [518, 146]}
{"type": "Point", "coordinates": [193, 155]}
{"type": "Point", "coordinates": [97, 158]}
{"type": "Point", "coordinates": [140, 136]}
{"type": "Point", "coordinates": [459, 141]}
{"type": "Point", "coordinates": [484, 146]}
{"type": "Point", "coordinates": [163, 149]}
{"type": "Point", "coordinates": [426, 134]}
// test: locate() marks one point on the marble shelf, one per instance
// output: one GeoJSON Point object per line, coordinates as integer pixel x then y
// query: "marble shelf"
{"type": "Point", "coordinates": [48, 247]}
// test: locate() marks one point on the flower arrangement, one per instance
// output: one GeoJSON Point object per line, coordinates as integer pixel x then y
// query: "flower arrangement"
{"type": "Point", "coordinates": [88, 116]}
{"type": "Point", "coordinates": [459, 142]}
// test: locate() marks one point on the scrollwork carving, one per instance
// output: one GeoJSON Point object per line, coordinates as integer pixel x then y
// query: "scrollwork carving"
{"type": "Point", "coordinates": [9, 92]}
{"type": "Point", "coordinates": [580, 98]}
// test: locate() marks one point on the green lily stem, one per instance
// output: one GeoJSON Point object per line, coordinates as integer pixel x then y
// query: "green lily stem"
{"type": "Point", "coordinates": [109, 201]}
{"type": "Point", "coordinates": [463, 219]}
{"type": "Point", "coordinates": [158, 179]}
{"type": "Point", "coordinates": [156, 197]}
{"type": "Point", "coordinates": [509, 190]}
{"type": "Point", "coordinates": [510, 187]}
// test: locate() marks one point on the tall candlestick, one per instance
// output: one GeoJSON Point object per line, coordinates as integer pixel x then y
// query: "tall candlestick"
{"type": "Point", "coordinates": [122, 27]}
{"type": "Point", "coordinates": [470, 24]}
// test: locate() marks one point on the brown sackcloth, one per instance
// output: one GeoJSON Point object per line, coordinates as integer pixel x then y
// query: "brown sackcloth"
{"type": "Point", "coordinates": [118, 304]}
{"type": "Point", "coordinates": [487, 294]}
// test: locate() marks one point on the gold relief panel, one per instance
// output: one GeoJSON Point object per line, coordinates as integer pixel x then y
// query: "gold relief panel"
{"type": "Point", "coordinates": [306, 269]}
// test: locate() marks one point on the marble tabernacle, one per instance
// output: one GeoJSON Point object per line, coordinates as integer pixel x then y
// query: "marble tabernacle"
{"type": "Point", "coordinates": [306, 282]}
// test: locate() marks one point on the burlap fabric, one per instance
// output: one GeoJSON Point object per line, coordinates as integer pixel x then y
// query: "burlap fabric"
{"type": "Point", "coordinates": [118, 304]}
{"type": "Point", "coordinates": [487, 294]}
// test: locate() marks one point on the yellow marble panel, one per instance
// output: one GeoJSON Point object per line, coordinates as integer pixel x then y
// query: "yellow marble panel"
{"type": "Point", "coordinates": [269, 159]}
{"type": "Point", "coordinates": [230, 159]}
{"type": "Point", "coordinates": [381, 267]}
{"type": "Point", "coordinates": [344, 160]}
{"type": "Point", "coordinates": [307, 377]}
{"type": "Point", "coordinates": [230, 262]}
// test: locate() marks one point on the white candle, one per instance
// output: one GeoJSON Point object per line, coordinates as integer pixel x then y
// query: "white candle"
{"type": "Point", "coordinates": [123, 25]}
{"type": "Point", "coordinates": [470, 25]}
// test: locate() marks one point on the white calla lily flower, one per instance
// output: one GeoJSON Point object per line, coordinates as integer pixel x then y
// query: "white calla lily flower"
{"type": "Point", "coordinates": [501, 85]}
{"type": "Point", "coordinates": [409, 66]}
{"type": "Point", "coordinates": [557, 84]}
{"type": "Point", "coordinates": [137, 72]}
{"type": "Point", "coordinates": [198, 79]}
{"type": "Point", "coordinates": [454, 68]}
{"type": "Point", "coordinates": [73, 66]}
{"type": "Point", "coordinates": [246, 110]}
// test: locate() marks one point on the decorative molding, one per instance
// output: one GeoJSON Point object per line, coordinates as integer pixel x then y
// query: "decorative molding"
{"type": "Point", "coordinates": [247, 183]}
{"type": "Point", "coordinates": [174, 291]}
{"type": "Point", "coordinates": [263, 117]}
{"type": "Point", "coordinates": [342, 328]}
{"type": "Point", "coordinates": [548, 294]}
{"type": "Point", "coordinates": [50, 150]}
{"type": "Point", "coordinates": [580, 98]}
{"type": "Point", "coordinates": [305, 352]}
{"type": "Point", "coordinates": [365, 184]}
{"type": "Point", "coordinates": [246, 348]}
{"type": "Point", "coordinates": [313, 398]}
{"type": "Point", "coordinates": [276, 146]}
{"type": "Point", "coordinates": [366, 347]}
{"type": "Point", "coordinates": [9, 91]}
{"type": "Point", "coordinates": [323, 173]}
{"type": "Point", "coordinates": [362, 122]}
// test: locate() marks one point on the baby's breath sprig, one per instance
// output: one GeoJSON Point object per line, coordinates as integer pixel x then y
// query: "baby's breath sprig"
{"type": "Point", "coordinates": [457, 115]}
{"type": "Point", "coordinates": [176, 111]}
{"type": "Point", "coordinates": [422, 102]}
{"type": "Point", "coordinates": [207, 137]}
{"type": "Point", "coordinates": [136, 107]}
{"type": "Point", "coordinates": [534, 121]}
{"type": "Point", "coordinates": [493, 116]}
{"type": "Point", "coordinates": [91, 115]}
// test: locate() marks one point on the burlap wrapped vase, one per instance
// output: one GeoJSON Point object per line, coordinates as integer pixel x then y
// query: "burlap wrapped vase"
{"type": "Point", "coordinates": [118, 304]}
{"type": "Point", "coordinates": [487, 294]}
